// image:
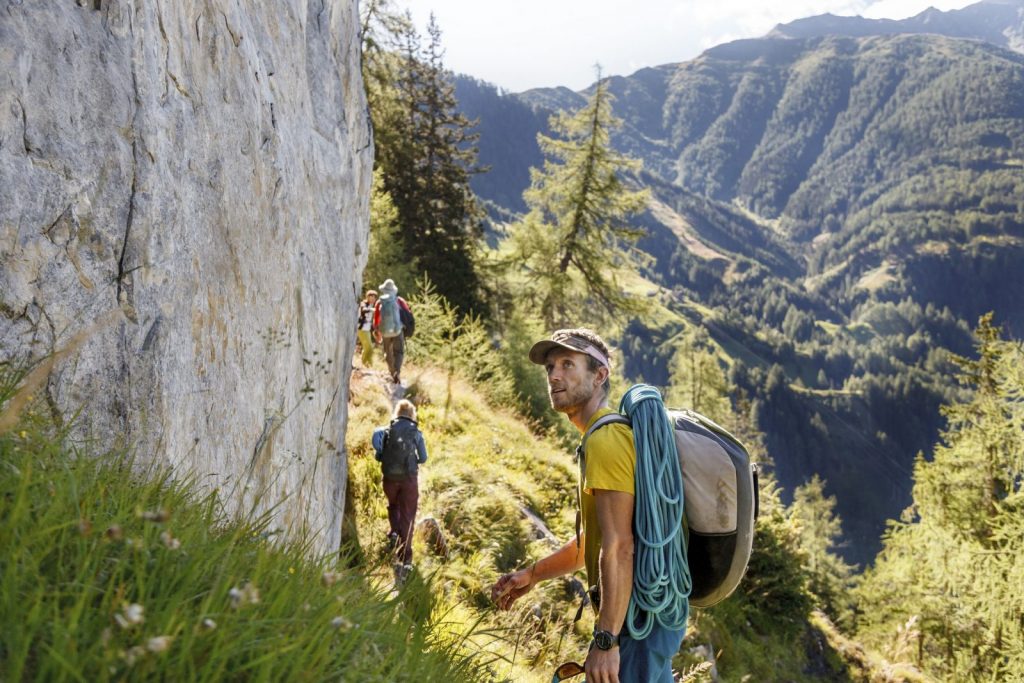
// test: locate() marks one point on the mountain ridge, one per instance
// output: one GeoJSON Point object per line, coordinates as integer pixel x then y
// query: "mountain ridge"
{"type": "Point", "coordinates": [999, 22]}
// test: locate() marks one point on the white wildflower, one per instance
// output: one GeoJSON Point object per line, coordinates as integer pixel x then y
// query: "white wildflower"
{"type": "Point", "coordinates": [170, 541]}
{"type": "Point", "coordinates": [246, 595]}
{"type": "Point", "coordinates": [131, 615]}
{"type": "Point", "coordinates": [330, 578]}
{"type": "Point", "coordinates": [209, 624]}
{"type": "Point", "coordinates": [133, 654]}
{"type": "Point", "coordinates": [341, 623]}
{"type": "Point", "coordinates": [159, 644]}
{"type": "Point", "coordinates": [160, 515]}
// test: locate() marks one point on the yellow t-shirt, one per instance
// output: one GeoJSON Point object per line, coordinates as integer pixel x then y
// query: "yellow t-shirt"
{"type": "Point", "coordinates": [609, 464]}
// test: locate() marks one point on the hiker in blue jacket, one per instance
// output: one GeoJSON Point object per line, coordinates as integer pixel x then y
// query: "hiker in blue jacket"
{"type": "Point", "coordinates": [400, 449]}
{"type": "Point", "coordinates": [578, 364]}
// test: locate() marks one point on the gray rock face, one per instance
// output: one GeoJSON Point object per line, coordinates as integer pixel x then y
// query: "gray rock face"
{"type": "Point", "coordinates": [189, 182]}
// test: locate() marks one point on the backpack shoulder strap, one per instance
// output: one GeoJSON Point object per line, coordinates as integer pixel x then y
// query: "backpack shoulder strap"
{"type": "Point", "coordinates": [580, 458]}
{"type": "Point", "coordinates": [391, 428]}
{"type": "Point", "coordinates": [610, 418]}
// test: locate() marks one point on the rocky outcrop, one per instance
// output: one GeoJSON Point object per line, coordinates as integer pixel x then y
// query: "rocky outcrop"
{"type": "Point", "coordinates": [189, 182]}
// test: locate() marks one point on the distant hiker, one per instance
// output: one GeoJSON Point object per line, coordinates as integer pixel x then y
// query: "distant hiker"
{"type": "Point", "coordinates": [400, 448]}
{"type": "Point", "coordinates": [388, 326]}
{"type": "Point", "coordinates": [365, 326]}
{"type": "Point", "coordinates": [578, 365]}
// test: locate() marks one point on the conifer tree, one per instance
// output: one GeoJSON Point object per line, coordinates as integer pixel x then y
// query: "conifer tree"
{"type": "Point", "coordinates": [819, 530]}
{"type": "Point", "coordinates": [447, 226]}
{"type": "Point", "coordinates": [696, 378]}
{"type": "Point", "coordinates": [572, 243]}
{"type": "Point", "coordinates": [425, 150]}
{"type": "Point", "coordinates": [954, 560]}
{"type": "Point", "coordinates": [383, 33]}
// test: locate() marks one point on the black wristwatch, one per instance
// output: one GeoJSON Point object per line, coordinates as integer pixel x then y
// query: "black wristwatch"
{"type": "Point", "coordinates": [604, 640]}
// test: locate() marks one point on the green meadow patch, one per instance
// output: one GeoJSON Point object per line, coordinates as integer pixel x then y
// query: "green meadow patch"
{"type": "Point", "coordinates": [110, 571]}
{"type": "Point", "coordinates": [486, 470]}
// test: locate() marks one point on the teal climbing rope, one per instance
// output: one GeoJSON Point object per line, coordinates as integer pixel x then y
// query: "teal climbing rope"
{"type": "Point", "coordinates": [661, 574]}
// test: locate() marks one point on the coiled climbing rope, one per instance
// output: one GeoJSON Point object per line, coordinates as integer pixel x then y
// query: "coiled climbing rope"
{"type": "Point", "coordinates": [661, 574]}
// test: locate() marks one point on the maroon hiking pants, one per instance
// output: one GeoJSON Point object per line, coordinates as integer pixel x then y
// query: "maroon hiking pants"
{"type": "Point", "coordinates": [403, 499]}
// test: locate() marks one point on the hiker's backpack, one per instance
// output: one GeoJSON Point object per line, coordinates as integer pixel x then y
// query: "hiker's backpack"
{"type": "Point", "coordinates": [390, 318]}
{"type": "Point", "coordinates": [720, 485]}
{"type": "Point", "coordinates": [408, 322]}
{"type": "Point", "coordinates": [720, 499]}
{"type": "Point", "coordinates": [398, 455]}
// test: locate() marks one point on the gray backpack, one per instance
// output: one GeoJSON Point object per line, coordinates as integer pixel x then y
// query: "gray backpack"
{"type": "Point", "coordinates": [390, 316]}
{"type": "Point", "coordinates": [720, 502]}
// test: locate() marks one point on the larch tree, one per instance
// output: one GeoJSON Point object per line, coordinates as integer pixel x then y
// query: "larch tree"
{"type": "Point", "coordinates": [387, 257]}
{"type": "Point", "coordinates": [384, 34]}
{"type": "Point", "coordinates": [953, 563]}
{"type": "Point", "coordinates": [696, 378]}
{"type": "Point", "coordinates": [572, 245]}
{"type": "Point", "coordinates": [820, 530]}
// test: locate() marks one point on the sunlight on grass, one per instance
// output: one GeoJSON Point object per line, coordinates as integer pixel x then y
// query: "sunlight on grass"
{"type": "Point", "coordinates": [110, 571]}
{"type": "Point", "coordinates": [485, 468]}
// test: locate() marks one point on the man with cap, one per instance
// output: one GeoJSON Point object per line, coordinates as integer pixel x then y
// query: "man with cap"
{"type": "Point", "coordinates": [578, 365]}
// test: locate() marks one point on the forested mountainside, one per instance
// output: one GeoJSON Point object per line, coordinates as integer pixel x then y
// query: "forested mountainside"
{"type": "Point", "coordinates": [835, 213]}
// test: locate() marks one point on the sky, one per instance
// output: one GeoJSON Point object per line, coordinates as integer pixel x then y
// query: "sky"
{"type": "Point", "coordinates": [522, 44]}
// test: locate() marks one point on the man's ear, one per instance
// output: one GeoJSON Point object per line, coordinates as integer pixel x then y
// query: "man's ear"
{"type": "Point", "coordinates": [602, 377]}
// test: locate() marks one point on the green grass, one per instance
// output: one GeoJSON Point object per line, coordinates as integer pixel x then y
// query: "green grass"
{"type": "Point", "coordinates": [485, 467]}
{"type": "Point", "coordinates": [878, 278]}
{"type": "Point", "coordinates": [85, 537]}
{"type": "Point", "coordinates": [109, 571]}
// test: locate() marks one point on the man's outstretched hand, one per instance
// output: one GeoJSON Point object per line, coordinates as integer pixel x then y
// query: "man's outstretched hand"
{"type": "Point", "coordinates": [602, 666]}
{"type": "Point", "coordinates": [510, 587]}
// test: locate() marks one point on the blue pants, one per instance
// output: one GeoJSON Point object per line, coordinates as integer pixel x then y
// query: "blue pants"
{"type": "Point", "coordinates": [649, 660]}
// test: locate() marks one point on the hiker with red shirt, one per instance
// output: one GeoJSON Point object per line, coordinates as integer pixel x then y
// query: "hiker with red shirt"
{"type": "Point", "coordinates": [388, 327]}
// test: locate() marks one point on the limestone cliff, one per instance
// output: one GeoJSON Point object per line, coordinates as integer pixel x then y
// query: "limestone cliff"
{"type": "Point", "coordinates": [190, 181]}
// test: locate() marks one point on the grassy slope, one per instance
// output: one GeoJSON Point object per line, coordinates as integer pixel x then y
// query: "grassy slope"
{"type": "Point", "coordinates": [485, 467]}
{"type": "Point", "coordinates": [85, 539]}
{"type": "Point", "coordinates": [109, 573]}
